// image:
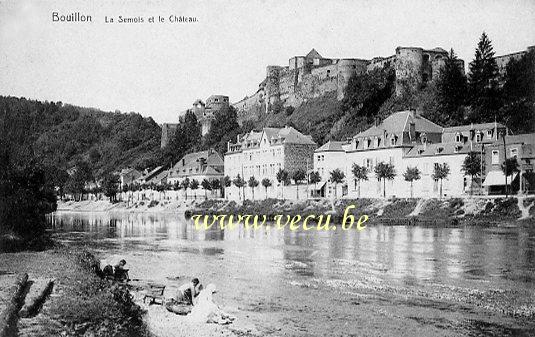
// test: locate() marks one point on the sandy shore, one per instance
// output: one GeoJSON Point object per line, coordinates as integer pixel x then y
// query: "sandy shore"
{"type": "Point", "coordinates": [163, 323]}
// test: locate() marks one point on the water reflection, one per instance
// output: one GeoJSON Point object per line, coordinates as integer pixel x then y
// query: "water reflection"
{"type": "Point", "coordinates": [403, 254]}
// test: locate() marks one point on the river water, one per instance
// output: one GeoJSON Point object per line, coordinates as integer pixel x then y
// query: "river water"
{"type": "Point", "coordinates": [387, 281]}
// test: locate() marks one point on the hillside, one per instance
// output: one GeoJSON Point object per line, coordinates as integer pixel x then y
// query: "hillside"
{"type": "Point", "coordinates": [61, 134]}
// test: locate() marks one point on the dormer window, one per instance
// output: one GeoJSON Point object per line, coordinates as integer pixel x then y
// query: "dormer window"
{"type": "Point", "coordinates": [392, 140]}
{"type": "Point", "coordinates": [457, 148]}
{"type": "Point", "coordinates": [424, 138]}
{"type": "Point", "coordinates": [439, 150]}
{"type": "Point", "coordinates": [377, 141]}
{"type": "Point", "coordinates": [489, 134]}
{"type": "Point", "coordinates": [478, 137]}
{"type": "Point", "coordinates": [420, 151]}
{"type": "Point", "coordinates": [457, 137]}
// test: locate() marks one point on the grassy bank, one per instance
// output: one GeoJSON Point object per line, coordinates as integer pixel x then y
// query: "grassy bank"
{"type": "Point", "coordinates": [81, 303]}
{"type": "Point", "coordinates": [395, 211]}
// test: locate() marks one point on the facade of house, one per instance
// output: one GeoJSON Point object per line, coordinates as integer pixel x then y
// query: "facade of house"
{"type": "Point", "coordinates": [406, 139]}
{"type": "Point", "coordinates": [261, 154]}
{"type": "Point", "coordinates": [128, 176]}
{"type": "Point", "coordinates": [521, 147]}
{"type": "Point", "coordinates": [198, 165]}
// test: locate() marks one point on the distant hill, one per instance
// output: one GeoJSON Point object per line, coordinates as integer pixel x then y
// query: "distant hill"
{"type": "Point", "coordinates": [61, 134]}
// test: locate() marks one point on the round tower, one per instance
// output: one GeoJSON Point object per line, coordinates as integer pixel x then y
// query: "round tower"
{"type": "Point", "coordinates": [272, 88]}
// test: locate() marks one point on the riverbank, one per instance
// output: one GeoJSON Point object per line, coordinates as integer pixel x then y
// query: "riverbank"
{"type": "Point", "coordinates": [386, 211]}
{"type": "Point", "coordinates": [142, 206]}
{"type": "Point", "coordinates": [80, 302]}
{"type": "Point", "coordinates": [391, 212]}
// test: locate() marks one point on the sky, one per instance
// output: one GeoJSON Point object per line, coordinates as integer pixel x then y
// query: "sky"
{"type": "Point", "coordinates": [159, 69]}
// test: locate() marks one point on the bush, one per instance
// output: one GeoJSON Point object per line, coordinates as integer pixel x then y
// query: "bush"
{"type": "Point", "coordinates": [90, 305]}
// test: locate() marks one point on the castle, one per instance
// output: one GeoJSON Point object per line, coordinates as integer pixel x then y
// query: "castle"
{"type": "Point", "coordinates": [204, 112]}
{"type": "Point", "coordinates": [313, 75]}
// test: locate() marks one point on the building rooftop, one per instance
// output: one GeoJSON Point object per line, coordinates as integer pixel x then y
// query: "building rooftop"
{"type": "Point", "coordinates": [399, 122]}
{"type": "Point", "coordinates": [286, 135]}
{"type": "Point", "coordinates": [441, 149]}
{"type": "Point", "coordinates": [480, 126]}
{"type": "Point", "coordinates": [331, 146]}
{"type": "Point", "coordinates": [313, 54]}
{"type": "Point", "coordinates": [202, 162]}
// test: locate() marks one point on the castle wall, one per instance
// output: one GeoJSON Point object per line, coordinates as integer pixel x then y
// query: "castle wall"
{"type": "Point", "coordinates": [380, 62]}
{"type": "Point", "coordinates": [250, 107]}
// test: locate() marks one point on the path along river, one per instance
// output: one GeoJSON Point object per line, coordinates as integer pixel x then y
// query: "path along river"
{"type": "Point", "coordinates": [382, 281]}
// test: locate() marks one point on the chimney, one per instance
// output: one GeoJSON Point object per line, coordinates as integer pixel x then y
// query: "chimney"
{"type": "Point", "coordinates": [228, 146]}
{"type": "Point", "coordinates": [412, 131]}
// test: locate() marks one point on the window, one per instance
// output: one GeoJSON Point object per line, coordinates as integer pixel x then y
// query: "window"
{"type": "Point", "coordinates": [328, 73]}
{"type": "Point", "coordinates": [458, 137]}
{"type": "Point", "coordinates": [478, 137]}
{"type": "Point", "coordinates": [514, 153]}
{"type": "Point", "coordinates": [393, 140]}
{"type": "Point", "coordinates": [495, 157]}
{"type": "Point", "coordinates": [489, 134]}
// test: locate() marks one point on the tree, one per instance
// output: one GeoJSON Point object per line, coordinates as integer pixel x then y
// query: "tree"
{"type": "Point", "coordinates": [215, 184]}
{"type": "Point", "coordinates": [185, 184]}
{"type": "Point", "coordinates": [509, 167]}
{"type": "Point", "coordinates": [226, 182]}
{"type": "Point", "coordinates": [223, 128]}
{"type": "Point", "coordinates": [410, 175]}
{"type": "Point", "coordinates": [110, 185]}
{"type": "Point", "coordinates": [25, 197]}
{"type": "Point", "coordinates": [186, 138]}
{"type": "Point", "coordinates": [239, 183]}
{"type": "Point", "coordinates": [385, 171]}
{"type": "Point", "coordinates": [194, 185]}
{"type": "Point", "coordinates": [441, 172]}
{"type": "Point", "coordinates": [519, 94]}
{"type": "Point", "coordinates": [283, 179]}
{"type": "Point", "coordinates": [252, 184]}
{"type": "Point", "coordinates": [314, 177]}
{"type": "Point", "coordinates": [298, 176]}
{"type": "Point", "coordinates": [81, 176]}
{"type": "Point", "coordinates": [483, 82]}
{"type": "Point", "coordinates": [360, 173]}
{"type": "Point", "coordinates": [266, 183]}
{"type": "Point", "coordinates": [337, 177]}
{"type": "Point", "coordinates": [451, 92]}
{"type": "Point", "coordinates": [472, 166]}
{"type": "Point", "coordinates": [206, 186]}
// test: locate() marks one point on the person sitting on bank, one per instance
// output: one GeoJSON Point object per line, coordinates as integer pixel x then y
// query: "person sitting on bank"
{"type": "Point", "coordinates": [121, 273]}
{"type": "Point", "coordinates": [188, 291]}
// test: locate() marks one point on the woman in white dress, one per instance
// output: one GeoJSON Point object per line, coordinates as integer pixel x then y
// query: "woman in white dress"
{"type": "Point", "coordinates": [206, 311]}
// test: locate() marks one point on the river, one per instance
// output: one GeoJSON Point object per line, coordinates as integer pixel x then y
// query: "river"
{"type": "Point", "coordinates": [388, 281]}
